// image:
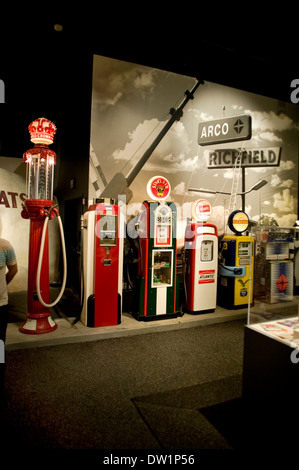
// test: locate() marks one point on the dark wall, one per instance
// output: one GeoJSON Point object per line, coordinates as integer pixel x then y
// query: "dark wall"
{"type": "Point", "coordinates": [52, 82]}
{"type": "Point", "coordinates": [49, 75]}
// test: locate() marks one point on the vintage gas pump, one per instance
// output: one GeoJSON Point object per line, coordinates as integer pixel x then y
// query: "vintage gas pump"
{"type": "Point", "coordinates": [274, 265]}
{"type": "Point", "coordinates": [157, 283]}
{"type": "Point", "coordinates": [236, 264]}
{"type": "Point", "coordinates": [201, 260]}
{"type": "Point", "coordinates": [39, 208]}
{"type": "Point", "coordinates": [102, 264]}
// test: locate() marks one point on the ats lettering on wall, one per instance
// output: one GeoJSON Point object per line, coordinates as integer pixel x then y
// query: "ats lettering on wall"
{"type": "Point", "coordinates": [11, 200]}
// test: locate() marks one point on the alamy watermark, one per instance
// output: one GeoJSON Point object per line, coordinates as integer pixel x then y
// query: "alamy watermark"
{"type": "Point", "coordinates": [294, 97]}
{"type": "Point", "coordinates": [295, 354]}
{"type": "Point", "coordinates": [2, 352]}
{"type": "Point", "coordinates": [2, 91]}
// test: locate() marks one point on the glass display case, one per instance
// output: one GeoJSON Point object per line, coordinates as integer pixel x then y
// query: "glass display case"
{"type": "Point", "coordinates": [275, 309]}
{"type": "Point", "coordinates": [271, 337]}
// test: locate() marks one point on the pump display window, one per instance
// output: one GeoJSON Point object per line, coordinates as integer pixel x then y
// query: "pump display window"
{"type": "Point", "coordinates": [162, 268]}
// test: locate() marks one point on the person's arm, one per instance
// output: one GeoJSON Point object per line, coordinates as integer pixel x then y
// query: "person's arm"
{"type": "Point", "coordinates": [12, 271]}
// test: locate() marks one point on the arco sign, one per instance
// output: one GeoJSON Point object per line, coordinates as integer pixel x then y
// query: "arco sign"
{"type": "Point", "coordinates": [229, 129]}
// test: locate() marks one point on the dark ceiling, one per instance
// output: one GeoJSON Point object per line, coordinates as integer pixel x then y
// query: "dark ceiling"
{"type": "Point", "coordinates": [48, 72]}
{"type": "Point", "coordinates": [241, 49]}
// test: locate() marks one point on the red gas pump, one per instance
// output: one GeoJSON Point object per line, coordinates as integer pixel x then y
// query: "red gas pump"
{"type": "Point", "coordinates": [103, 264]}
{"type": "Point", "coordinates": [39, 208]}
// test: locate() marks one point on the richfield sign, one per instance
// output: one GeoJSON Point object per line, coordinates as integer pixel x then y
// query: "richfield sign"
{"type": "Point", "coordinates": [255, 157]}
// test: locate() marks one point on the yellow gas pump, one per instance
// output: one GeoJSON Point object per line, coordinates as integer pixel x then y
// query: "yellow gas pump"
{"type": "Point", "coordinates": [236, 265]}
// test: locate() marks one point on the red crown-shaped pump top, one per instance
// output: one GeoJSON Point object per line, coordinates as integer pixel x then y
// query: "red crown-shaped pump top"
{"type": "Point", "coordinates": [42, 131]}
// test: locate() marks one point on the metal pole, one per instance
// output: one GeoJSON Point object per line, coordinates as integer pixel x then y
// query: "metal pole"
{"type": "Point", "coordinates": [243, 189]}
{"type": "Point", "coordinates": [176, 115]}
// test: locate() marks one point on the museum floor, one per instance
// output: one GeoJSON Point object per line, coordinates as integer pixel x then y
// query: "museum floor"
{"type": "Point", "coordinates": [154, 387]}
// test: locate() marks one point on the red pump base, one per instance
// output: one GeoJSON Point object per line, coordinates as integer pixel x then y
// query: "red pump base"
{"type": "Point", "coordinates": [38, 318]}
{"type": "Point", "coordinates": [37, 326]}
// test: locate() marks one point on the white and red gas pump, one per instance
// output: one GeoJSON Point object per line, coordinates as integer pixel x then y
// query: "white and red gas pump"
{"type": "Point", "coordinates": [102, 264]}
{"type": "Point", "coordinates": [39, 208]}
{"type": "Point", "coordinates": [201, 260]}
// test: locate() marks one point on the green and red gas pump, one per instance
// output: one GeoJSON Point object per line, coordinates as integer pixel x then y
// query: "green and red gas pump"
{"type": "Point", "coordinates": [157, 275]}
{"type": "Point", "coordinates": [39, 207]}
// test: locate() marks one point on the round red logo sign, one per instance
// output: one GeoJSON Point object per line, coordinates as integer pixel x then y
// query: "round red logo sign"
{"type": "Point", "coordinates": [201, 210]}
{"type": "Point", "coordinates": [158, 188]}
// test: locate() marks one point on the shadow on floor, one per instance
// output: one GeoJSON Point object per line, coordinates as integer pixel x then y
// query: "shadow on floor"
{"type": "Point", "coordinates": [69, 306]}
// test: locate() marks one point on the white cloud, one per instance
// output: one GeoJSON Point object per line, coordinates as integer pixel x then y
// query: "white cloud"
{"type": "Point", "coordinates": [237, 107]}
{"type": "Point", "coordinates": [286, 220]}
{"type": "Point", "coordinates": [200, 115]}
{"type": "Point", "coordinates": [145, 80]}
{"type": "Point", "coordinates": [270, 136]}
{"type": "Point", "coordinates": [143, 135]}
{"type": "Point", "coordinates": [286, 165]}
{"type": "Point", "coordinates": [287, 183]}
{"type": "Point", "coordinates": [229, 173]}
{"type": "Point", "coordinates": [113, 79]}
{"type": "Point", "coordinates": [266, 126]}
{"type": "Point", "coordinates": [270, 121]}
{"type": "Point", "coordinates": [180, 189]}
{"type": "Point", "coordinates": [171, 152]}
{"type": "Point", "coordinates": [284, 201]}
{"type": "Point", "coordinates": [275, 181]}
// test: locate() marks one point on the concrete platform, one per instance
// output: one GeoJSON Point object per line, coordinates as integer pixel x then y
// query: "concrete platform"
{"type": "Point", "coordinates": [67, 332]}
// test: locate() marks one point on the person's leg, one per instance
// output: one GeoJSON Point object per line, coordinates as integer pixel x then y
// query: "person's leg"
{"type": "Point", "coordinates": [3, 321]}
{"type": "Point", "coordinates": [3, 328]}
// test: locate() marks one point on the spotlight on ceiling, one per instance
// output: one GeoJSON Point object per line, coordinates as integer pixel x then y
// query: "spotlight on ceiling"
{"type": "Point", "coordinates": [58, 27]}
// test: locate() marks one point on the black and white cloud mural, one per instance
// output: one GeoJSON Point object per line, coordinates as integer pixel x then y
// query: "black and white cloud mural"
{"type": "Point", "coordinates": [130, 106]}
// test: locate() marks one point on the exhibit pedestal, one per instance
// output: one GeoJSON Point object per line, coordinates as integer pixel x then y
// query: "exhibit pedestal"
{"type": "Point", "coordinates": [270, 367]}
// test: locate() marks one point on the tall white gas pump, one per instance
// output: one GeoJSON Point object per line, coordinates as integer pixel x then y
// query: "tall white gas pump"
{"type": "Point", "coordinates": [201, 260]}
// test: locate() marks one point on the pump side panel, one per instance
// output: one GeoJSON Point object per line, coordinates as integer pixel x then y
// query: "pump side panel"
{"type": "Point", "coordinates": [243, 292]}
{"type": "Point", "coordinates": [226, 284]}
{"type": "Point", "coordinates": [88, 261]}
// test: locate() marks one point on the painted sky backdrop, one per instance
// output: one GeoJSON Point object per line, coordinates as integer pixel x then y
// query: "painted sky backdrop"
{"type": "Point", "coordinates": [130, 105]}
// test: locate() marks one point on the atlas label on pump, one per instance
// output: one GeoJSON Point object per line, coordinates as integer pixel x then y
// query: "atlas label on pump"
{"type": "Point", "coordinates": [206, 276]}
